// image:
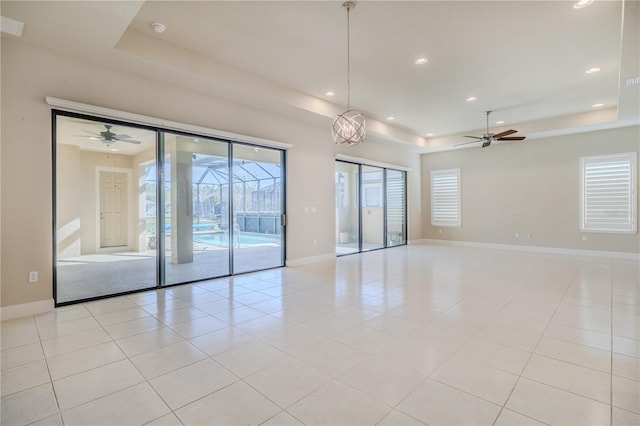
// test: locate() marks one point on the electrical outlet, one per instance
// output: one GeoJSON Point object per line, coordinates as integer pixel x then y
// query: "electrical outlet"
{"type": "Point", "coordinates": [33, 276]}
{"type": "Point", "coordinates": [517, 235]}
{"type": "Point", "coordinates": [529, 235]}
{"type": "Point", "coordinates": [439, 231]}
{"type": "Point", "coordinates": [315, 243]}
{"type": "Point", "coordinates": [584, 238]}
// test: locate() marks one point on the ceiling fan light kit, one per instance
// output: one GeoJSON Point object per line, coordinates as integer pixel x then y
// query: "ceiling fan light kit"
{"type": "Point", "coordinates": [349, 128]}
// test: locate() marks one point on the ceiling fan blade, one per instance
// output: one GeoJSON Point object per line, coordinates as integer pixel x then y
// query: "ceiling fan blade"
{"type": "Point", "coordinates": [129, 141]}
{"type": "Point", "coordinates": [512, 138]}
{"type": "Point", "coordinates": [92, 133]}
{"type": "Point", "coordinates": [123, 136]}
{"type": "Point", "coordinates": [505, 133]}
{"type": "Point", "coordinates": [475, 137]}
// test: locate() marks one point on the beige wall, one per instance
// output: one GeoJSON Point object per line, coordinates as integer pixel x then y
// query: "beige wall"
{"type": "Point", "coordinates": [77, 203]}
{"type": "Point", "coordinates": [69, 222]}
{"type": "Point", "coordinates": [531, 187]}
{"type": "Point", "coordinates": [28, 75]}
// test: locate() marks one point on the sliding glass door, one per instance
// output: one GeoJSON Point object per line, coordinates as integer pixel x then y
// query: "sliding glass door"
{"type": "Point", "coordinates": [196, 211]}
{"type": "Point", "coordinates": [373, 196]}
{"type": "Point", "coordinates": [347, 208]}
{"type": "Point", "coordinates": [258, 206]}
{"type": "Point", "coordinates": [370, 207]}
{"type": "Point", "coordinates": [396, 208]}
{"type": "Point", "coordinates": [102, 203]}
{"type": "Point", "coordinates": [139, 208]}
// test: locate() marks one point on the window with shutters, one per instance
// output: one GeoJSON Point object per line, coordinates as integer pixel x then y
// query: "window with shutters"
{"type": "Point", "coordinates": [445, 198]}
{"type": "Point", "coordinates": [608, 193]}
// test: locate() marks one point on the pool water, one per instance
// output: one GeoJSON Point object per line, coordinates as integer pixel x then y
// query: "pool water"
{"type": "Point", "coordinates": [220, 239]}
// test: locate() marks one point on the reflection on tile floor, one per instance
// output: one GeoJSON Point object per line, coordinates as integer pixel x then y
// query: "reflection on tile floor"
{"type": "Point", "coordinates": [411, 335]}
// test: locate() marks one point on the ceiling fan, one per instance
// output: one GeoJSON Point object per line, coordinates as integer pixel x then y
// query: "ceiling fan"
{"type": "Point", "coordinates": [108, 137]}
{"type": "Point", "coordinates": [488, 137]}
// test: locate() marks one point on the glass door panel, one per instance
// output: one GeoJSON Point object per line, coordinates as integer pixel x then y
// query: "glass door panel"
{"type": "Point", "coordinates": [347, 208]}
{"type": "Point", "coordinates": [196, 209]}
{"type": "Point", "coordinates": [396, 205]}
{"type": "Point", "coordinates": [105, 209]}
{"type": "Point", "coordinates": [126, 221]}
{"type": "Point", "coordinates": [372, 208]}
{"type": "Point", "coordinates": [258, 205]}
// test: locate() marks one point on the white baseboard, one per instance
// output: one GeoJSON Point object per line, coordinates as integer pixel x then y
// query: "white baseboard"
{"type": "Point", "coordinates": [534, 249]}
{"type": "Point", "coordinates": [311, 259]}
{"type": "Point", "coordinates": [418, 241]}
{"type": "Point", "coordinates": [26, 309]}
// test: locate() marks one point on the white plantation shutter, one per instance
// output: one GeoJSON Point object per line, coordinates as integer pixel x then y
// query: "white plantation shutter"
{"type": "Point", "coordinates": [608, 195]}
{"type": "Point", "coordinates": [445, 198]}
{"type": "Point", "coordinates": [396, 206]}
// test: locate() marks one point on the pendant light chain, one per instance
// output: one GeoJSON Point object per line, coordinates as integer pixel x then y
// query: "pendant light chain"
{"type": "Point", "coordinates": [348, 58]}
{"type": "Point", "coordinates": [349, 127]}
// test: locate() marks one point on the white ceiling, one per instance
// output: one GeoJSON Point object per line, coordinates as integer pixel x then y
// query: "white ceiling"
{"type": "Point", "coordinates": [85, 135]}
{"type": "Point", "coordinates": [525, 60]}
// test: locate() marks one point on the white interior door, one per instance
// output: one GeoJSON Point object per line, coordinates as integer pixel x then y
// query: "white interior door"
{"type": "Point", "coordinates": [113, 209]}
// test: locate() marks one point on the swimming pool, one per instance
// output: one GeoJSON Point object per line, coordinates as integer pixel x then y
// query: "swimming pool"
{"type": "Point", "coordinates": [221, 239]}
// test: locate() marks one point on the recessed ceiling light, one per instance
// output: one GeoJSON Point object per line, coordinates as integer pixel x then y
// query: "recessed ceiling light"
{"type": "Point", "coordinates": [421, 61]}
{"type": "Point", "coordinates": [429, 135]}
{"type": "Point", "coordinates": [597, 105]}
{"type": "Point", "coordinates": [500, 122]}
{"type": "Point", "coordinates": [471, 99]}
{"type": "Point", "coordinates": [391, 118]}
{"type": "Point", "coordinates": [329, 94]}
{"type": "Point", "coordinates": [582, 3]}
{"type": "Point", "coordinates": [592, 70]}
{"type": "Point", "coordinates": [158, 27]}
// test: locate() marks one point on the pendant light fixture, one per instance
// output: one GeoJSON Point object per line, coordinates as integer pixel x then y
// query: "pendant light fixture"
{"type": "Point", "coordinates": [349, 127]}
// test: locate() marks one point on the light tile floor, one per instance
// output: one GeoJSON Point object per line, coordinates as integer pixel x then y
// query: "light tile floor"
{"type": "Point", "coordinates": [411, 335]}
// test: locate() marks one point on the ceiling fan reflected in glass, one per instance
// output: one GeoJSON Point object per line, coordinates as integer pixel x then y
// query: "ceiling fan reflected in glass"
{"type": "Point", "coordinates": [108, 137]}
{"type": "Point", "coordinates": [489, 137]}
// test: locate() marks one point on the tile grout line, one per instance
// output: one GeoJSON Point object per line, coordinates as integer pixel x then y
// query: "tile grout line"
{"type": "Point", "coordinates": [146, 380]}
{"type": "Point", "coordinates": [240, 379]}
{"type": "Point", "coordinates": [111, 339]}
{"type": "Point", "coordinates": [534, 349]}
{"type": "Point", "coordinates": [53, 388]}
{"type": "Point", "coordinates": [504, 406]}
{"type": "Point", "coordinates": [101, 327]}
{"type": "Point", "coordinates": [611, 346]}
